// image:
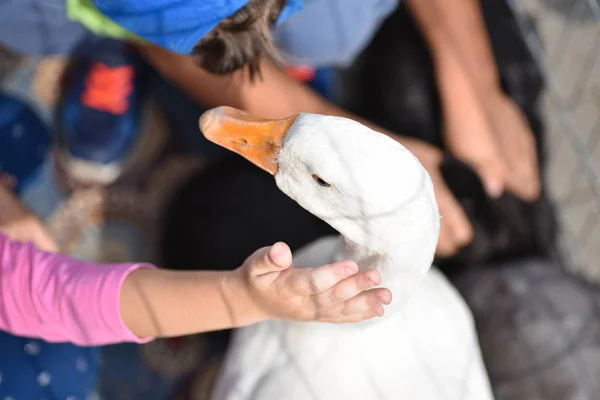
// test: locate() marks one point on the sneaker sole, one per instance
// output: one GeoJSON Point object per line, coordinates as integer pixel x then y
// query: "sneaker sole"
{"type": "Point", "coordinates": [90, 172]}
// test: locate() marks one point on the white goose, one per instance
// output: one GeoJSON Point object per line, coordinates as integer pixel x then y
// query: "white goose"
{"type": "Point", "coordinates": [379, 197]}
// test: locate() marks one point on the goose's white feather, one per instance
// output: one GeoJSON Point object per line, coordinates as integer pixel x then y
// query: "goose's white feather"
{"type": "Point", "coordinates": [381, 200]}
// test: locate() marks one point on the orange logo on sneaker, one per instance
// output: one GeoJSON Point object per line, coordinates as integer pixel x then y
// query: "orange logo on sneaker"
{"type": "Point", "coordinates": [107, 88]}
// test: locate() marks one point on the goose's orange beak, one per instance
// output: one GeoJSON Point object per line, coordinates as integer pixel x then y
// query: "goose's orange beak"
{"type": "Point", "coordinates": [257, 139]}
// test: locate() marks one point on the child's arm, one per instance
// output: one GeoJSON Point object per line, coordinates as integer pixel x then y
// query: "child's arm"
{"type": "Point", "coordinates": [56, 298]}
{"type": "Point", "coordinates": [266, 286]}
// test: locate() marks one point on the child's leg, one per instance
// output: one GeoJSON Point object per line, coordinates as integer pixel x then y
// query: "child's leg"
{"type": "Point", "coordinates": [33, 369]}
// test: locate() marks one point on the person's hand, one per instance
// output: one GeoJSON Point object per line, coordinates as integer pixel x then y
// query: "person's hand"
{"type": "Point", "coordinates": [330, 293]}
{"type": "Point", "coordinates": [516, 145]}
{"type": "Point", "coordinates": [469, 136]}
{"type": "Point", "coordinates": [19, 224]}
{"type": "Point", "coordinates": [455, 229]}
{"type": "Point", "coordinates": [490, 133]}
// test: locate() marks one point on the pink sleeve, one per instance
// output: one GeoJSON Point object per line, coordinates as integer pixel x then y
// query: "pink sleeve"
{"type": "Point", "coordinates": [59, 299]}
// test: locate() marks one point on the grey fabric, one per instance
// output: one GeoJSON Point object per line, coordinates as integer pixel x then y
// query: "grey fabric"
{"type": "Point", "coordinates": [38, 27]}
{"type": "Point", "coordinates": [539, 329]}
{"type": "Point", "coordinates": [331, 33]}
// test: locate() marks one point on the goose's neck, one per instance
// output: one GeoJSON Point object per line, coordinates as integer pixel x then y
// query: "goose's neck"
{"type": "Point", "coordinates": [401, 246]}
{"type": "Point", "coordinates": [364, 256]}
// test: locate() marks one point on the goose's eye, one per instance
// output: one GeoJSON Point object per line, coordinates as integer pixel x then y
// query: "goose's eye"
{"type": "Point", "coordinates": [320, 181]}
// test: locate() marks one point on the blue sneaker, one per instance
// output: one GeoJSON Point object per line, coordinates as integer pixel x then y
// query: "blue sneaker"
{"type": "Point", "coordinates": [104, 92]}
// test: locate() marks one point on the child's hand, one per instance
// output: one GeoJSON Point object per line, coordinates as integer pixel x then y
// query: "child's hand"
{"type": "Point", "coordinates": [330, 293]}
{"type": "Point", "coordinates": [19, 224]}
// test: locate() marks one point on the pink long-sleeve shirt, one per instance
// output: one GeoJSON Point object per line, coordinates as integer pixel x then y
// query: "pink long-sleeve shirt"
{"type": "Point", "coordinates": [59, 299]}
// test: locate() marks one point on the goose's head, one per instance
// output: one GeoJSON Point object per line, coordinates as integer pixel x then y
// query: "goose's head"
{"type": "Point", "coordinates": [364, 184]}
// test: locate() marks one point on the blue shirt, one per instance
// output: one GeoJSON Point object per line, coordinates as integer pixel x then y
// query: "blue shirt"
{"type": "Point", "coordinates": [331, 33]}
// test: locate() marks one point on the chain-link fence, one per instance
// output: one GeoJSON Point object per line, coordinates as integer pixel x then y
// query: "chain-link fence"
{"type": "Point", "coordinates": [566, 44]}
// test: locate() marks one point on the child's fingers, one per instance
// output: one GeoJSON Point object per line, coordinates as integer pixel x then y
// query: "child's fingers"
{"type": "Point", "coordinates": [270, 259]}
{"type": "Point", "coordinates": [371, 299]}
{"type": "Point", "coordinates": [376, 311]}
{"type": "Point", "coordinates": [310, 281]}
{"type": "Point", "coordinates": [349, 288]}
{"type": "Point", "coordinates": [280, 255]}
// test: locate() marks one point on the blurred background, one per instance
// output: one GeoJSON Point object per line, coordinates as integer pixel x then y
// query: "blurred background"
{"type": "Point", "coordinates": [567, 48]}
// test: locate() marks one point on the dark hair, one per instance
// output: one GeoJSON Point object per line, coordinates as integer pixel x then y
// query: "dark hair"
{"type": "Point", "coordinates": [240, 40]}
